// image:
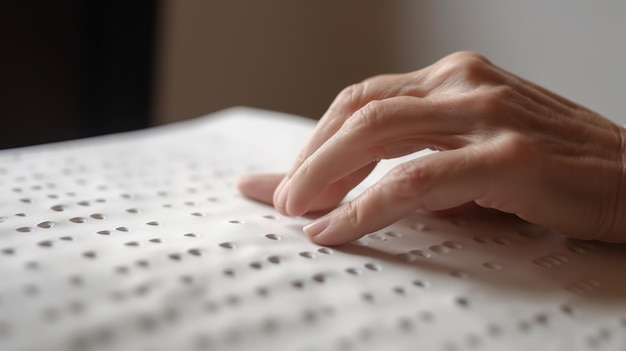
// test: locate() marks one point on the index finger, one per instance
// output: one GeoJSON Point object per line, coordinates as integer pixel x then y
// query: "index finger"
{"type": "Point", "coordinates": [348, 101]}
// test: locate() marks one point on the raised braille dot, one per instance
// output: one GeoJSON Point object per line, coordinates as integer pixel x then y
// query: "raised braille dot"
{"type": "Point", "coordinates": [45, 243]}
{"type": "Point", "coordinates": [309, 316]}
{"type": "Point", "coordinates": [78, 220]}
{"type": "Point", "coordinates": [426, 316]}
{"type": "Point", "coordinates": [132, 210]}
{"type": "Point", "coordinates": [195, 252]}
{"type": "Point", "coordinates": [31, 289]}
{"type": "Point", "coordinates": [393, 234]}
{"type": "Point", "coordinates": [406, 257]}
{"type": "Point", "coordinates": [298, 284]}
{"type": "Point", "coordinates": [492, 265]}
{"type": "Point", "coordinates": [227, 245]}
{"type": "Point", "coordinates": [405, 324]}
{"type": "Point", "coordinates": [319, 278]}
{"type": "Point", "coordinates": [186, 279]}
{"type": "Point", "coordinates": [273, 236]}
{"type": "Point", "coordinates": [236, 221]}
{"type": "Point", "coordinates": [274, 259]}
{"type": "Point", "coordinates": [50, 314]}
{"type": "Point", "coordinates": [325, 250]}
{"type": "Point", "coordinates": [368, 297]}
{"type": "Point", "coordinates": [398, 290]}
{"type": "Point", "coordinates": [419, 226]}
{"type": "Point", "coordinates": [84, 203]}
{"type": "Point", "coordinates": [26, 201]}
{"type": "Point", "coordinates": [270, 217]}
{"type": "Point", "coordinates": [156, 241]}
{"type": "Point", "coordinates": [262, 292]}
{"type": "Point", "coordinates": [541, 319]}
{"type": "Point", "coordinates": [104, 232]}
{"type": "Point", "coordinates": [33, 265]}
{"type": "Point", "coordinates": [373, 267]}
{"type": "Point", "coordinates": [459, 274]}
{"type": "Point", "coordinates": [121, 270]}
{"type": "Point", "coordinates": [57, 208]}
{"type": "Point", "coordinates": [175, 257]}
{"type": "Point", "coordinates": [462, 301]}
{"type": "Point", "coordinates": [76, 280]}
{"type": "Point", "coordinates": [452, 245]}
{"type": "Point", "coordinates": [24, 229]}
{"type": "Point", "coordinates": [199, 214]}
{"type": "Point", "coordinates": [494, 330]}
{"type": "Point", "coordinates": [566, 309]}
{"type": "Point", "coordinates": [502, 241]}
{"type": "Point", "coordinates": [421, 253]}
{"type": "Point", "coordinates": [353, 271]}
{"type": "Point", "coordinates": [8, 251]}
{"type": "Point", "coordinates": [256, 265]}
{"type": "Point", "coordinates": [132, 243]}
{"type": "Point", "coordinates": [153, 223]}
{"type": "Point", "coordinates": [191, 235]}
{"type": "Point", "coordinates": [89, 254]}
{"type": "Point", "coordinates": [307, 254]}
{"type": "Point", "coordinates": [581, 247]}
{"type": "Point", "coordinates": [97, 216]}
{"type": "Point", "coordinates": [439, 249]}
{"type": "Point", "coordinates": [122, 229]}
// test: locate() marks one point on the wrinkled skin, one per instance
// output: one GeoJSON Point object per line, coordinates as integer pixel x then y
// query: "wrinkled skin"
{"type": "Point", "coordinates": [504, 143]}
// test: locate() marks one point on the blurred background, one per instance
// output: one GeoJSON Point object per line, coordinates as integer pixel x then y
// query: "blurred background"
{"type": "Point", "coordinates": [72, 69]}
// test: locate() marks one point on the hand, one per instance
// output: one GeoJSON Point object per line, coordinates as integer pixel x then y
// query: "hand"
{"type": "Point", "coordinates": [505, 143]}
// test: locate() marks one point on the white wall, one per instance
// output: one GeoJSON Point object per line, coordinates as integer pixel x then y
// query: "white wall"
{"type": "Point", "coordinates": [294, 56]}
{"type": "Point", "coordinates": [576, 48]}
{"type": "Point", "coordinates": [285, 55]}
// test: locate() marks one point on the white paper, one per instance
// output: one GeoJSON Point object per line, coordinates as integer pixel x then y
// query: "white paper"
{"type": "Point", "coordinates": [140, 241]}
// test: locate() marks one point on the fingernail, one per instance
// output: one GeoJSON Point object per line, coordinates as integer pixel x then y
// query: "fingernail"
{"type": "Point", "coordinates": [317, 227]}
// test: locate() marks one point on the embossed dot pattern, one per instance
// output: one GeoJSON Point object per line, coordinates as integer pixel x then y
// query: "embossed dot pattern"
{"type": "Point", "coordinates": [140, 241]}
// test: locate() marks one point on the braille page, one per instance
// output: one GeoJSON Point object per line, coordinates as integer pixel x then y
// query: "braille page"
{"type": "Point", "coordinates": [140, 241]}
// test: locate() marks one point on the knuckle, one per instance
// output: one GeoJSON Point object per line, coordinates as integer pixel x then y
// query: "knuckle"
{"type": "Point", "coordinates": [356, 95]}
{"type": "Point", "coordinates": [469, 67]}
{"type": "Point", "coordinates": [369, 118]}
{"type": "Point", "coordinates": [516, 150]}
{"type": "Point", "coordinates": [407, 180]}
{"type": "Point", "coordinates": [494, 102]}
{"type": "Point", "coordinates": [351, 97]}
{"type": "Point", "coordinates": [469, 55]}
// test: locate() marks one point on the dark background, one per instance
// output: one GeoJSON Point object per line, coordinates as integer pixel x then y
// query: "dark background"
{"type": "Point", "coordinates": [64, 60]}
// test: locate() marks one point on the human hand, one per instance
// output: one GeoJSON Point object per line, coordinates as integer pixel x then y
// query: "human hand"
{"type": "Point", "coordinates": [505, 143]}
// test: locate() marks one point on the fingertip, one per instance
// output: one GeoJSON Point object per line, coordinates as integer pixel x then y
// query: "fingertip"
{"type": "Point", "coordinates": [327, 231]}
{"type": "Point", "coordinates": [259, 187]}
{"type": "Point", "coordinates": [279, 196]}
{"type": "Point", "coordinates": [327, 241]}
